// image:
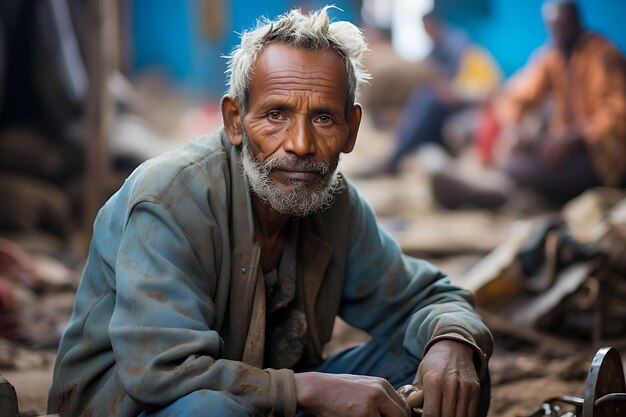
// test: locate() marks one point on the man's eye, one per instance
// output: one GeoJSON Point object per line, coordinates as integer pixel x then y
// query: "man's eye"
{"type": "Point", "coordinates": [274, 115]}
{"type": "Point", "coordinates": [324, 119]}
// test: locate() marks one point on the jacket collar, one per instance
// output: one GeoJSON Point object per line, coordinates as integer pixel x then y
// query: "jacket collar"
{"type": "Point", "coordinates": [314, 257]}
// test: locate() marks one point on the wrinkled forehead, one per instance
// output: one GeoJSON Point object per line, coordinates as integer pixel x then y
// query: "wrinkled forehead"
{"type": "Point", "coordinates": [286, 67]}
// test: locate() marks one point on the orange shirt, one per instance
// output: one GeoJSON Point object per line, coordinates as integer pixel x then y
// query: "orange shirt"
{"type": "Point", "coordinates": [589, 94]}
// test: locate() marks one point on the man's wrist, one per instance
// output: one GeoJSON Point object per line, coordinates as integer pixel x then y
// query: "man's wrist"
{"type": "Point", "coordinates": [304, 389]}
{"type": "Point", "coordinates": [478, 356]}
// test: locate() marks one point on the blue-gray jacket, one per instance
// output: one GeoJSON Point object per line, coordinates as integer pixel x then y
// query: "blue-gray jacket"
{"type": "Point", "coordinates": [171, 300]}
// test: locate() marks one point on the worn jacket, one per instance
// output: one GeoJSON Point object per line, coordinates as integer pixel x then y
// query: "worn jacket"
{"type": "Point", "coordinates": [171, 300]}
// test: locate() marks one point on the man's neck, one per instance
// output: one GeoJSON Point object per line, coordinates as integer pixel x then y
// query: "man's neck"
{"type": "Point", "coordinates": [268, 222]}
{"type": "Point", "coordinates": [567, 48]}
{"type": "Point", "coordinates": [269, 227]}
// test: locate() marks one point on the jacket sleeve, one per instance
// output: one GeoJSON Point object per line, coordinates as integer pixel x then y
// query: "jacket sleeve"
{"type": "Point", "coordinates": [607, 78]}
{"type": "Point", "coordinates": [605, 128]}
{"type": "Point", "coordinates": [161, 328]}
{"type": "Point", "coordinates": [403, 300]}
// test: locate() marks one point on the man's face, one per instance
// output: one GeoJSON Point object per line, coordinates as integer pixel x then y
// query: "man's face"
{"type": "Point", "coordinates": [296, 127]}
{"type": "Point", "coordinates": [563, 25]}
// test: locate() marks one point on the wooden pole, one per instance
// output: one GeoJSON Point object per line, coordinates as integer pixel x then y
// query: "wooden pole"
{"type": "Point", "coordinates": [102, 57]}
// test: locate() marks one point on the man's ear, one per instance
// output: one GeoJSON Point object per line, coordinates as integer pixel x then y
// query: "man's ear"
{"type": "Point", "coordinates": [232, 116]}
{"type": "Point", "coordinates": [353, 119]}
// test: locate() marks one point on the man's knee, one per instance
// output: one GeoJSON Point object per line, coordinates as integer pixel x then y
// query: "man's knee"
{"type": "Point", "coordinates": [203, 403]}
{"type": "Point", "coordinates": [393, 363]}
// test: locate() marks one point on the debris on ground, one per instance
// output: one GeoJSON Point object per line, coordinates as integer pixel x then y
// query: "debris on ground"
{"type": "Point", "coordinates": [560, 277]}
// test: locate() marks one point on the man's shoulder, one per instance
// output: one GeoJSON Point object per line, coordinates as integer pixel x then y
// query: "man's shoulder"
{"type": "Point", "coordinates": [595, 39]}
{"type": "Point", "coordinates": [194, 154]}
{"type": "Point", "coordinates": [194, 167]}
{"type": "Point", "coordinates": [597, 44]}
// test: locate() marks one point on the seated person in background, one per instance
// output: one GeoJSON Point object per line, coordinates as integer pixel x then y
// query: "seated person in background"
{"type": "Point", "coordinates": [584, 74]}
{"type": "Point", "coordinates": [216, 272]}
{"type": "Point", "coordinates": [463, 74]}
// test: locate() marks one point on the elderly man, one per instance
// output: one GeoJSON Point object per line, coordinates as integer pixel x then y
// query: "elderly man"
{"type": "Point", "coordinates": [216, 271]}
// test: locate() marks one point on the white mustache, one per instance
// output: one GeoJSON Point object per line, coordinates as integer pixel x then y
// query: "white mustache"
{"type": "Point", "coordinates": [295, 163]}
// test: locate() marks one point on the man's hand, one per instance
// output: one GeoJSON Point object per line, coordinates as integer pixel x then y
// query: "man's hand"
{"type": "Point", "coordinates": [332, 395]}
{"type": "Point", "coordinates": [449, 380]}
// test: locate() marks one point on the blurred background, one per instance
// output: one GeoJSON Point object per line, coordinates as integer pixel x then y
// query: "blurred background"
{"type": "Point", "coordinates": [89, 89]}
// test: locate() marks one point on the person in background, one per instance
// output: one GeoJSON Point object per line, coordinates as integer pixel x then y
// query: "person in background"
{"type": "Point", "coordinates": [584, 145]}
{"type": "Point", "coordinates": [463, 74]}
{"type": "Point", "coordinates": [216, 272]}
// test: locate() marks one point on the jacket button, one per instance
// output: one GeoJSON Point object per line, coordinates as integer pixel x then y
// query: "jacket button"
{"type": "Point", "coordinates": [243, 270]}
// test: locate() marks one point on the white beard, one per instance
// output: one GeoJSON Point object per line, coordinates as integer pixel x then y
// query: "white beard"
{"type": "Point", "coordinates": [295, 203]}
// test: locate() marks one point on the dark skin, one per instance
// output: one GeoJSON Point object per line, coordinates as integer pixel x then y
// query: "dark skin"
{"type": "Point", "coordinates": [297, 105]}
{"type": "Point", "coordinates": [564, 25]}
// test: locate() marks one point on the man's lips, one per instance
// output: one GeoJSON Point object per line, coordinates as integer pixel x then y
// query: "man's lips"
{"type": "Point", "coordinates": [296, 176]}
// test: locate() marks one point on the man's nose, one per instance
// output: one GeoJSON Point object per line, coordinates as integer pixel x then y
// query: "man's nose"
{"type": "Point", "coordinates": [300, 138]}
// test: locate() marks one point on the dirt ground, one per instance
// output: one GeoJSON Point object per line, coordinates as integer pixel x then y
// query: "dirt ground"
{"type": "Point", "coordinates": [523, 375]}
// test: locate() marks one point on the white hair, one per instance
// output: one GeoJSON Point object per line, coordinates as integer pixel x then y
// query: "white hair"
{"type": "Point", "coordinates": [312, 32]}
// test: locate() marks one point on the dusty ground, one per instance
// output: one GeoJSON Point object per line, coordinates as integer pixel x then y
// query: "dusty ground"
{"type": "Point", "coordinates": [522, 375]}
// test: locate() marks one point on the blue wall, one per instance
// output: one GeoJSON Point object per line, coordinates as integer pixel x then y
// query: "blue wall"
{"type": "Point", "coordinates": [167, 34]}
{"type": "Point", "coordinates": [512, 29]}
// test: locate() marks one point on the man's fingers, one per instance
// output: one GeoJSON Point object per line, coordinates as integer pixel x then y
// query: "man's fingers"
{"type": "Point", "coordinates": [388, 401]}
{"type": "Point", "coordinates": [413, 396]}
{"type": "Point", "coordinates": [392, 405]}
{"type": "Point", "coordinates": [398, 402]}
{"type": "Point", "coordinates": [415, 399]}
{"type": "Point", "coordinates": [450, 398]}
{"type": "Point", "coordinates": [393, 409]}
{"type": "Point", "coordinates": [432, 402]}
{"type": "Point", "coordinates": [472, 406]}
{"type": "Point", "coordinates": [462, 404]}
